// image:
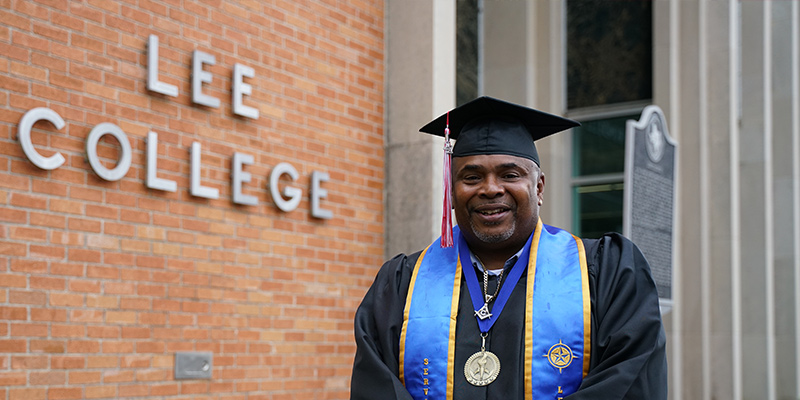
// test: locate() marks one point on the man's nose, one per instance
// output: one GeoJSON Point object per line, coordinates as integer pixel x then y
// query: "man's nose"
{"type": "Point", "coordinates": [492, 187]}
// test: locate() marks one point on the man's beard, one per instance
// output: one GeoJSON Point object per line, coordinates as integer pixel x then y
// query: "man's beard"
{"type": "Point", "coordinates": [494, 238]}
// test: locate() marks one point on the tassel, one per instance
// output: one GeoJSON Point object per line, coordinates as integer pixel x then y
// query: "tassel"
{"type": "Point", "coordinates": [447, 213]}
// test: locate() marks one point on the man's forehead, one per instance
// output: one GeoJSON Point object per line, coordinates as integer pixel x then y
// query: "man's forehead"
{"type": "Point", "coordinates": [492, 161]}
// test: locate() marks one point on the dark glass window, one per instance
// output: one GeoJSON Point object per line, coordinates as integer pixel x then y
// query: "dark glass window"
{"type": "Point", "coordinates": [609, 62]}
{"type": "Point", "coordinates": [467, 50]}
{"type": "Point", "coordinates": [598, 147]}
{"type": "Point", "coordinates": [598, 163]}
{"type": "Point", "coordinates": [609, 52]}
{"type": "Point", "coordinates": [598, 208]}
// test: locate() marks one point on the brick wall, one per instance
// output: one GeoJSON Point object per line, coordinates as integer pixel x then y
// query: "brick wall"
{"type": "Point", "coordinates": [102, 282]}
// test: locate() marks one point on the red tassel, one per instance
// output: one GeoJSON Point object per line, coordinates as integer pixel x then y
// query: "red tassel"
{"type": "Point", "coordinates": [447, 214]}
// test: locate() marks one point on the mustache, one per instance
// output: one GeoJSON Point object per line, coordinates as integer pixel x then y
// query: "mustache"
{"type": "Point", "coordinates": [492, 204]}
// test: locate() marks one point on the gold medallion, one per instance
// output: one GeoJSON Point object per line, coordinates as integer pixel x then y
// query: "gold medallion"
{"type": "Point", "coordinates": [482, 368]}
{"type": "Point", "coordinates": [560, 355]}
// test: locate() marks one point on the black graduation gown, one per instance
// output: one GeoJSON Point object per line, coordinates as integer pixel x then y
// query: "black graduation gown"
{"type": "Point", "coordinates": [628, 354]}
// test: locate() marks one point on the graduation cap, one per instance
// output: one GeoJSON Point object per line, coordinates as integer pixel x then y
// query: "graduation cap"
{"type": "Point", "coordinates": [490, 126]}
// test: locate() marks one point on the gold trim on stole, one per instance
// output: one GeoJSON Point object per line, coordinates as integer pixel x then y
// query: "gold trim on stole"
{"type": "Point", "coordinates": [405, 316]}
{"type": "Point", "coordinates": [529, 311]}
{"type": "Point", "coordinates": [451, 348]}
{"type": "Point", "coordinates": [587, 307]}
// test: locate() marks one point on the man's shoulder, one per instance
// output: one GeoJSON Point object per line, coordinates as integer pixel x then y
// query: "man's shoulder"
{"type": "Point", "coordinates": [402, 261]}
{"type": "Point", "coordinates": [398, 266]}
{"type": "Point", "coordinates": [611, 240]}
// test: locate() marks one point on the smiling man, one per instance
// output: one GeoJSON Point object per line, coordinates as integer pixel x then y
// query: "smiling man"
{"type": "Point", "coordinates": [514, 309]}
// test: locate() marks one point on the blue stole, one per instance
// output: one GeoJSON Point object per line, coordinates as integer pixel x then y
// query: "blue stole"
{"type": "Point", "coordinates": [557, 320]}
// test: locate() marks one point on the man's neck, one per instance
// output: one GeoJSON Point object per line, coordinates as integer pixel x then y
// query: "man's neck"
{"type": "Point", "coordinates": [494, 259]}
{"type": "Point", "coordinates": [494, 255]}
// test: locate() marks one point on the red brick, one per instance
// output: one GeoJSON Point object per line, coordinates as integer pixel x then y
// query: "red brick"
{"type": "Point", "coordinates": [47, 378]}
{"type": "Point", "coordinates": [47, 220]}
{"type": "Point", "coordinates": [28, 330]}
{"type": "Point", "coordinates": [84, 255]}
{"type": "Point", "coordinates": [106, 332]}
{"type": "Point", "coordinates": [119, 376]}
{"type": "Point", "coordinates": [27, 394]}
{"type": "Point", "coordinates": [66, 299]}
{"type": "Point", "coordinates": [64, 393]}
{"type": "Point", "coordinates": [70, 269]}
{"type": "Point", "coordinates": [120, 317]}
{"type": "Point", "coordinates": [48, 314]}
{"type": "Point", "coordinates": [23, 233]}
{"type": "Point", "coordinates": [13, 346]}
{"type": "Point", "coordinates": [48, 283]}
{"type": "Point", "coordinates": [48, 187]}
{"type": "Point", "coordinates": [97, 392]}
{"type": "Point", "coordinates": [29, 362]}
{"type": "Point", "coordinates": [116, 347]}
{"type": "Point", "coordinates": [68, 362]}
{"type": "Point", "coordinates": [13, 313]}
{"type": "Point", "coordinates": [28, 266]}
{"type": "Point", "coordinates": [26, 297]}
{"type": "Point", "coordinates": [83, 315]}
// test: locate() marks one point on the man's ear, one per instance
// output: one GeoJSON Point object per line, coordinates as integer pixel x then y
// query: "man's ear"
{"type": "Point", "coordinates": [540, 187]}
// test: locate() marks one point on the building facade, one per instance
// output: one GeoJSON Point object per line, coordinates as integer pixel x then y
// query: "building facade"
{"type": "Point", "coordinates": [725, 73]}
{"type": "Point", "coordinates": [223, 195]}
{"type": "Point", "coordinates": [226, 178]}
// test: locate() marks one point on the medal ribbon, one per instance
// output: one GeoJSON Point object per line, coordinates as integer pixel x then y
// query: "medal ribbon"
{"type": "Point", "coordinates": [505, 291]}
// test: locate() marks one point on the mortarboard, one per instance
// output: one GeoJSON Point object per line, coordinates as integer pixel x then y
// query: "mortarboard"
{"type": "Point", "coordinates": [490, 126]}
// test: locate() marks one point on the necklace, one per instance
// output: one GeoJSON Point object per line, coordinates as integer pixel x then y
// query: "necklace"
{"type": "Point", "coordinates": [482, 367]}
{"type": "Point", "coordinates": [484, 313]}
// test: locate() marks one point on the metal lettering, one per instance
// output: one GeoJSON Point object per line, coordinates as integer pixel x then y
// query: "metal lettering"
{"type": "Point", "coordinates": [318, 193]}
{"type": "Point", "coordinates": [238, 176]}
{"type": "Point", "coordinates": [124, 163]}
{"type": "Point", "coordinates": [24, 133]}
{"type": "Point", "coordinates": [153, 181]}
{"type": "Point", "coordinates": [199, 76]}
{"type": "Point", "coordinates": [197, 188]}
{"type": "Point", "coordinates": [153, 83]}
{"type": "Point", "coordinates": [239, 88]}
{"type": "Point", "coordinates": [291, 193]}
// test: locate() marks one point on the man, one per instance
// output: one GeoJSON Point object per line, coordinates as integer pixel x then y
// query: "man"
{"type": "Point", "coordinates": [515, 309]}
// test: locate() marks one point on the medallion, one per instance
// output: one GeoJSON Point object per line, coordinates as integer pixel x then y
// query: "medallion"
{"type": "Point", "coordinates": [483, 313]}
{"type": "Point", "coordinates": [482, 368]}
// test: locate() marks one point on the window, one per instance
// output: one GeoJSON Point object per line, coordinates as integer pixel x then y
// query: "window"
{"type": "Point", "coordinates": [598, 160]}
{"type": "Point", "coordinates": [468, 50]}
{"type": "Point", "coordinates": [609, 80]}
{"type": "Point", "coordinates": [609, 52]}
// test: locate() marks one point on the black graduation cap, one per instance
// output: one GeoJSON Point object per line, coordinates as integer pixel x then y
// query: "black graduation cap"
{"type": "Point", "coordinates": [490, 126]}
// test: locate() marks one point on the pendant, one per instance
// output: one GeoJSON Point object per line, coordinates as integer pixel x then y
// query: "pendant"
{"type": "Point", "coordinates": [482, 368]}
{"type": "Point", "coordinates": [483, 313]}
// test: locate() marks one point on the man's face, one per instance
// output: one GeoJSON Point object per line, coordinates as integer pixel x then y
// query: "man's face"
{"type": "Point", "coordinates": [496, 199]}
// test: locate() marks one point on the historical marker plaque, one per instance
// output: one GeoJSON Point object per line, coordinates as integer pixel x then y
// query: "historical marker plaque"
{"type": "Point", "coordinates": [648, 220]}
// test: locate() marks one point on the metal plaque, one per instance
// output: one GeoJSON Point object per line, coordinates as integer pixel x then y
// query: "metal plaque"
{"type": "Point", "coordinates": [193, 365]}
{"type": "Point", "coordinates": [650, 154]}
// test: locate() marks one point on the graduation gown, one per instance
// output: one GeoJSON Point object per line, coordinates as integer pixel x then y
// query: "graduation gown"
{"type": "Point", "coordinates": [628, 354]}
